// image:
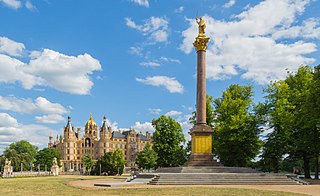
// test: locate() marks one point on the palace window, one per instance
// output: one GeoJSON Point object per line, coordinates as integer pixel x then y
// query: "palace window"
{"type": "Point", "coordinates": [120, 145]}
{"type": "Point", "coordinates": [116, 145]}
{"type": "Point", "coordinates": [104, 144]}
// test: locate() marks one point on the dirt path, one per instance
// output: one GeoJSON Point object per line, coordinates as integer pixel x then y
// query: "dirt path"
{"type": "Point", "coordinates": [304, 189]}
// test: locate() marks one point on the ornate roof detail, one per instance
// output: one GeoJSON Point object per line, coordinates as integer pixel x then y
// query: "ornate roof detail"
{"type": "Point", "coordinates": [91, 122]}
{"type": "Point", "coordinates": [68, 126]}
{"type": "Point", "coordinates": [104, 124]}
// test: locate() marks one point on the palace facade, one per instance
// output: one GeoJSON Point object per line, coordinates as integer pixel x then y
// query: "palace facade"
{"type": "Point", "coordinates": [94, 142]}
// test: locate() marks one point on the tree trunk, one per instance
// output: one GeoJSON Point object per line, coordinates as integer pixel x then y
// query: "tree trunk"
{"type": "Point", "coordinates": [316, 166]}
{"type": "Point", "coordinates": [306, 162]}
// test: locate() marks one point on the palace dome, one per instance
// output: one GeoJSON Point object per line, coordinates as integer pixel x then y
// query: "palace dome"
{"type": "Point", "coordinates": [91, 122]}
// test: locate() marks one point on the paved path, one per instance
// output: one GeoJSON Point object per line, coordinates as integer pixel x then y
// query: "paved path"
{"type": "Point", "coordinates": [304, 189]}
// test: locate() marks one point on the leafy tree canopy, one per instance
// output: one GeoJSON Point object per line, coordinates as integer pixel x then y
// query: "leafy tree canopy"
{"type": "Point", "coordinates": [88, 163]}
{"type": "Point", "coordinates": [236, 132]}
{"type": "Point", "coordinates": [168, 140]}
{"type": "Point", "coordinates": [147, 158]}
{"type": "Point", "coordinates": [20, 152]}
{"type": "Point", "coordinates": [45, 157]}
{"type": "Point", "coordinates": [111, 163]}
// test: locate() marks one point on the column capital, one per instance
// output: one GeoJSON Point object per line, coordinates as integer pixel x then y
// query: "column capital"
{"type": "Point", "coordinates": [201, 43]}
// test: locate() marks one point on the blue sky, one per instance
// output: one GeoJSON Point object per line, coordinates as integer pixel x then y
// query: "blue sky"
{"type": "Point", "coordinates": [133, 60]}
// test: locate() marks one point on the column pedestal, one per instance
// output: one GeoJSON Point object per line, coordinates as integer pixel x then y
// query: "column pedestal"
{"type": "Point", "coordinates": [201, 152]}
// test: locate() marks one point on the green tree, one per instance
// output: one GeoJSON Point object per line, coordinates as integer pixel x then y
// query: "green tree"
{"type": "Point", "coordinates": [20, 152]}
{"type": "Point", "coordinates": [168, 141]}
{"type": "Point", "coordinates": [292, 105]}
{"type": "Point", "coordinates": [301, 135]}
{"type": "Point", "coordinates": [88, 163]}
{"type": "Point", "coordinates": [313, 109]}
{"type": "Point", "coordinates": [281, 118]}
{"type": "Point", "coordinates": [118, 161]}
{"type": "Point", "coordinates": [236, 132]}
{"type": "Point", "coordinates": [45, 157]}
{"type": "Point", "coordinates": [147, 158]}
{"type": "Point", "coordinates": [111, 162]}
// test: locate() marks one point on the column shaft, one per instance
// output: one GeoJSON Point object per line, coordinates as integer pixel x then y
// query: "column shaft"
{"type": "Point", "coordinates": [201, 87]}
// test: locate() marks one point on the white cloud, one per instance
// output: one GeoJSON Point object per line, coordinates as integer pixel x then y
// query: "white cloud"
{"type": "Point", "coordinates": [309, 29]}
{"type": "Point", "coordinates": [144, 3]}
{"type": "Point", "coordinates": [11, 71]}
{"type": "Point", "coordinates": [179, 9]}
{"type": "Point", "coordinates": [157, 62]}
{"type": "Point", "coordinates": [50, 119]}
{"type": "Point", "coordinates": [39, 105]}
{"type": "Point", "coordinates": [12, 131]}
{"type": "Point", "coordinates": [156, 28]}
{"type": "Point", "coordinates": [171, 84]}
{"type": "Point", "coordinates": [154, 110]}
{"type": "Point", "coordinates": [30, 6]}
{"type": "Point", "coordinates": [230, 3]}
{"type": "Point", "coordinates": [173, 113]}
{"type": "Point", "coordinates": [65, 73]}
{"type": "Point", "coordinates": [14, 4]}
{"type": "Point", "coordinates": [70, 74]}
{"type": "Point", "coordinates": [248, 44]}
{"type": "Point", "coordinates": [112, 124]}
{"type": "Point", "coordinates": [150, 64]}
{"type": "Point", "coordinates": [10, 47]}
{"type": "Point", "coordinates": [144, 127]}
{"type": "Point", "coordinates": [170, 60]}
{"type": "Point", "coordinates": [7, 120]}
{"type": "Point", "coordinates": [136, 50]}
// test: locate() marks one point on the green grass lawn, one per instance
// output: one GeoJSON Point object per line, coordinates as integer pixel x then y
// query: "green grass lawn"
{"type": "Point", "coordinates": [57, 186]}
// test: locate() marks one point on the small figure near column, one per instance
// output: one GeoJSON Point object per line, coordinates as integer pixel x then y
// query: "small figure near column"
{"type": "Point", "coordinates": [55, 167]}
{"type": "Point", "coordinates": [8, 169]}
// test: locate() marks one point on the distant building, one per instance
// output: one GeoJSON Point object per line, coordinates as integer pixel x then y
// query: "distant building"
{"type": "Point", "coordinates": [73, 147]}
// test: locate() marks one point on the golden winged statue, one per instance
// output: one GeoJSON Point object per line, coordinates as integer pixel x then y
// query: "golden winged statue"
{"type": "Point", "coordinates": [202, 25]}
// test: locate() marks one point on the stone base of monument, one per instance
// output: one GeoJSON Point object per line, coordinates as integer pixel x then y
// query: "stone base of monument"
{"type": "Point", "coordinates": [204, 169]}
{"type": "Point", "coordinates": [202, 160]}
{"type": "Point", "coordinates": [222, 178]}
{"type": "Point", "coordinates": [210, 175]}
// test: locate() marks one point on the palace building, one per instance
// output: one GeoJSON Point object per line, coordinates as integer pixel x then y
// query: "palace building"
{"type": "Point", "coordinates": [96, 142]}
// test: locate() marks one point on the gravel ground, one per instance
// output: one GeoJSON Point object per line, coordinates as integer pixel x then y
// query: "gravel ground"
{"type": "Point", "coordinates": [304, 189]}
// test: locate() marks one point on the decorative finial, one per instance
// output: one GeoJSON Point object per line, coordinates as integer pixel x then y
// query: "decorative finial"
{"type": "Point", "coordinates": [104, 118]}
{"type": "Point", "coordinates": [69, 118]}
{"type": "Point", "coordinates": [202, 26]}
{"type": "Point", "coordinates": [90, 116]}
{"type": "Point", "coordinates": [201, 40]}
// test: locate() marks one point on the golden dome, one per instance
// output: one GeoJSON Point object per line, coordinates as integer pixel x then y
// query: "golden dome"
{"type": "Point", "coordinates": [91, 122]}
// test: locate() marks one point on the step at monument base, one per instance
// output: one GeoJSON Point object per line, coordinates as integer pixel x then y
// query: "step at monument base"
{"type": "Point", "coordinates": [209, 169]}
{"type": "Point", "coordinates": [221, 178]}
